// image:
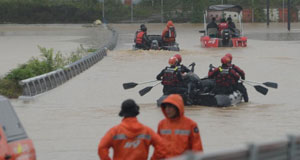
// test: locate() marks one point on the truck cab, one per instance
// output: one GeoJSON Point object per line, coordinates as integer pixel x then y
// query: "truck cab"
{"type": "Point", "coordinates": [14, 142]}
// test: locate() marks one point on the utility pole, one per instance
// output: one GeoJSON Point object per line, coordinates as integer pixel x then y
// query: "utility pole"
{"type": "Point", "coordinates": [103, 11]}
{"type": "Point", "coordinates": [162, 10]}
{"type": "Point", "coordinates": [131, 11]}
{"type": "Point", "coordinates": [282, 11]}
{"type": "Point", "coordinates": [268, 12]}
{"type": "Point", "coordinates": [252, 11]}
{"type": "Point", "coordinates": [289, 15]}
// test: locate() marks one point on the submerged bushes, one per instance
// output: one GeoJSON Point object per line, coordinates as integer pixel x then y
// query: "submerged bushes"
{"type": "Point", "coordinates": [47, 62]}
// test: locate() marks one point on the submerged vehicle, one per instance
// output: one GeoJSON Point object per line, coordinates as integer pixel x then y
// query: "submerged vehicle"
{"type": "Point", "coordinates": [229, 37]}
{"type": "Point", "coordinates": [157, 44]}
{"type": "Point", "coordinates": [14, 142]}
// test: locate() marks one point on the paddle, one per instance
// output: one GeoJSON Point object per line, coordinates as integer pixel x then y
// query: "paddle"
{"type": "Point", "coordinates": [147, 89]}
{"type": "Point", "coordinates": [133, 84]}
{"type": "Point", "coordinates": [258, 88]}
{"type": "Point", "coordinates": [268, 84]}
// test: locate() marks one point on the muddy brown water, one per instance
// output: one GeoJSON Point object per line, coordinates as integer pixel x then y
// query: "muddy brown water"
{"type": "Point", "coordinates": [68, 122]}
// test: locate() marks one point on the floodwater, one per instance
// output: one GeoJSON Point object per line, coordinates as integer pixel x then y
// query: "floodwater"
{"type": "Point", "coordinates": [68, 122]}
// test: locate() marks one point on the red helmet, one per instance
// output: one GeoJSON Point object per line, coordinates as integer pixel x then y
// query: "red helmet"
{"type": "Point", "coordinates": [225, 60]}
{"type": "Point", "coordinates": [229, 56]}
{"type": "Point", "coordinates": [178, 56]}
{"type": "Point", "coordinates": [173, 61]}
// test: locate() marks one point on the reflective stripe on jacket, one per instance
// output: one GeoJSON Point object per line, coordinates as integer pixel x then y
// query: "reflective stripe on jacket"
{"type": "Point", "coordinates": [179, 134]}
{"type": "Point", "coordinates": [130, 140]}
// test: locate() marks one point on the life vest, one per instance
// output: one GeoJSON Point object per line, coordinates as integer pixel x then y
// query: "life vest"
{"type": "Point", "coordinates": [139, 37]}
{"type": "Point", "coordinates": [170, 77]}
{"type": "Point", "coordinates": [225, 77]}
{"type": "Point", "coordinates": [170, 35]}
{"type": "Point", "coordinates": [222, 26]}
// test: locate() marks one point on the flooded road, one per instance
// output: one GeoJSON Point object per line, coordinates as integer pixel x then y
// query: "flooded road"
{"type": "Point", "coordinates": [68, 122]}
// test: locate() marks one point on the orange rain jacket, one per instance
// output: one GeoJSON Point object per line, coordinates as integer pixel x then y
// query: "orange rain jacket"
{"type": "Point", "coordinates": [130, 140]}
{"type": "Point", "coordinates": [179, 134]}
{"type": "Point", "coordinates": [168, 35]}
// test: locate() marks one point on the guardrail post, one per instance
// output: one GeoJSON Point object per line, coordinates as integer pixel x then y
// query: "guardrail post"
{"type": "Point", "coordinates": [32, 88]}
{"type": "Point", "coordinates": [48, 83]}
{"type": "Point", "coordinates": [38, 86]}
{"type": "Point", "coordinates": [292, 147]}
{"type": "Point", "coordinates": [253, 152]}
{"type": "Point", "coordinates": [27, 90]}
{"type": "Point", "coordinates": [43, 84]}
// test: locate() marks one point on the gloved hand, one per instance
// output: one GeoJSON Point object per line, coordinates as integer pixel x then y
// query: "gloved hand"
{"type": "Point", "coordinates": [193, 64]}
{"type": "Point", "coordinates": [211, 66]}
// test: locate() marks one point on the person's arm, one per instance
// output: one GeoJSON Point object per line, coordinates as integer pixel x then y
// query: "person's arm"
{"type": "Point", "coordinates": [159, 76]}
{"type": "Point", "coordinates": [233, 25]}
{"type": "Point", "coordinates": [195, 139]}
{"type": "Point", "coordinates": [239, 71]}
{"type": "Point", "coordinates": [185, 69]}
{"type": "Point", "coordinates": [135, 36]}
{"type": "Point", "coordinates": [213, 73]}
{"type": "Point", "coordinates": [236, 76]}
{"type": "Point", "coordinates": [179, 76]}
{"type": "Point", "coordinates": [104, 145]}
{"type": "Point", "coordinates": [160, 150]}
{"type": "Point", "coordinates": [146, 39]}
{"type": "Point", "coordinates": [163, 35]}
{"type": "Point", "coordinates": [175, 34]}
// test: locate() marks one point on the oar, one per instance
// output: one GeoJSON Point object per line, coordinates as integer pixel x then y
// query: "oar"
{"type": "Point", "coordinates": [268, 84]}
{"type": "Point", "coordinates": [133, 84]}
{"type": "Point", "coordinates": [147, 89]}
{"type": "Point", "coordinates": [258, 88]}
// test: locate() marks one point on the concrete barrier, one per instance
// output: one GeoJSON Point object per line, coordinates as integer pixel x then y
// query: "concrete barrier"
{"type": "Point", "coordinates": [40, 84]}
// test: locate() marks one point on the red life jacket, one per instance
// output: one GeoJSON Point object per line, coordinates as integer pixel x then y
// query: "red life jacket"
{"type": "Point", "coordinates": [226, 77]}
{"type": "Point", "coordinates": [170, 77]}
{"type": "Point", "coordinates": [169, 35]}
{"type": "Point", "coordinates": [222, 26]}
{"type": "Point", "coordinates": [139, 37]}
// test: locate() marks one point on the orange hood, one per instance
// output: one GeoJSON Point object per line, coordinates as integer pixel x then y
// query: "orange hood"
{"type": "Point", "coordinates": [131, 126]}
{"type": "Point", "coordinates": [177, 101]}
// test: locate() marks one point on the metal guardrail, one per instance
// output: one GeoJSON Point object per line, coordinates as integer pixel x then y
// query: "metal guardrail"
{"type": "Point", "coordinates": [40, 84]}
{"type": "Point", "coordinates": [287, 149]}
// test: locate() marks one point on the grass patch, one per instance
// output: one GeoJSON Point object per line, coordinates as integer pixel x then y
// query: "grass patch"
{"type": "Point", "coordinates": [48, 61]}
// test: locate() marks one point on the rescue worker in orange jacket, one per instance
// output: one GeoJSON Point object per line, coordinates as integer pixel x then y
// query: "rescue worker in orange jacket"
{"type": "Point", "coordinates": [226, 77]}
{"type": "Point", "coordinates": [240, 85]}
{"type": "Point", "coordinates": [169, 34]}
{"type": "Point", "coordinates": [141, 39]}
{"type": "Point", "coordinates": [179, 132]}
{"type": "Point", "coordinates": [130, 139]}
